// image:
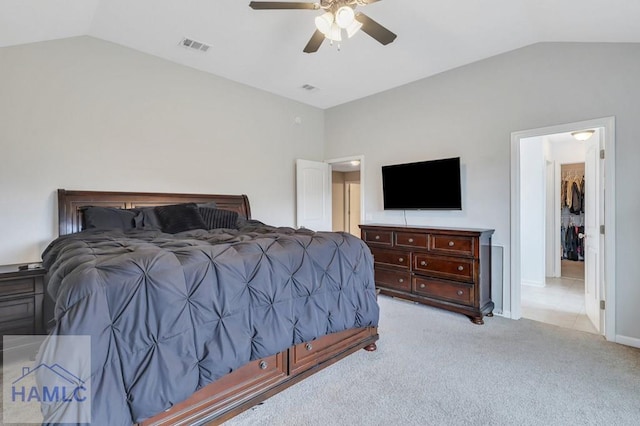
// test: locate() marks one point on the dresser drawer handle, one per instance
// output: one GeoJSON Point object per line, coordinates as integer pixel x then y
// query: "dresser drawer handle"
{"type": "Point", "coordinates": [460, 268]}
{"type": "Point", "coordinates": [423, 263]}
{"type": "Point", "coordinates": [460, 292]}
{"type": "Point", "coordinates": [422, 285]}
{"type": "Point", "coordinates": [451, 243]}
{"type": "Point", "coordinates": [401, 280]}
{"type": "Point", "coordinates": [263, 365]}
{"type": "Point", "coordinates": [410, 240]}
{"type": "Point", "coordinates": [401, 259]}
{"type": "Point", "coordinates": [308, 346]}
{"type": "Point", "coordinates": [377, 237]}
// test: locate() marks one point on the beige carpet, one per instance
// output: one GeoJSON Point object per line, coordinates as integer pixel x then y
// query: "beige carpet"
{"type": "Point", "coordinates": [436, 368]}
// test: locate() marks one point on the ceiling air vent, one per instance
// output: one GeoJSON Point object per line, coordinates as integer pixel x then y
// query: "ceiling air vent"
{"type": "Point", "coordinates": [308, 87]}
{"type": "Point", "coordinates": [188, 43]}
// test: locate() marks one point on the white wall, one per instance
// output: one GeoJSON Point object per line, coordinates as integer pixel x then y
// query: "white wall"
{"type": "Point", "coordinates": [532, 211]}
{"type": "Point", "coordinates": [471, 112]}
{"type": "Point", "coordinates": [82, 113]}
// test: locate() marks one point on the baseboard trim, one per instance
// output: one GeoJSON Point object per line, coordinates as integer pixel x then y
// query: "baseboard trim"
{"type": "Point", "coordinates": [628, 341]}
{"type": "Point", "coordinates": [534, 283]}
{"type": "Point", "coordinates": [504, 314]}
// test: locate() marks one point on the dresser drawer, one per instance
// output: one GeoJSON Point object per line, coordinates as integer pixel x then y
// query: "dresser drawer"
{"type": "Point", "coordinates": [400, 259]}
{"type": "Point", "coordinates": [410, 239]}
{"type": "Point", "coordinates": [393, 279]}
{"type": "Point", "coordinates": [445, 267]}
{"type": "Point", "coordinates": [451, 244]}
{"type": "Point", "coordinates": [445, 290]}
{"type": "Point", "coordinates": [377, 237]}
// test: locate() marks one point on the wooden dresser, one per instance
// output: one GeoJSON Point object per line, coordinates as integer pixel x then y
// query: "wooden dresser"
{"type": "Point", "coordinates": [443, 267]}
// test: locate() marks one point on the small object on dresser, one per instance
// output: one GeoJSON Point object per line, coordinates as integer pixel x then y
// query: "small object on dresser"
{"type": "Point", "coordinates": [30, 266]}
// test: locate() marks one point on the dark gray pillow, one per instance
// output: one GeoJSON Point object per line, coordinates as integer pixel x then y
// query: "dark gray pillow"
{"type": "Point", "coordinates": [179, 218]}
{"type": "Point", "coordinates": [209, 204]}
{"type": "Point", "coordinates": [108, 218]}
{"type": "Point", "coordinates": [146, 218]}
{"type": "Point", "coordinates": [219, 218]}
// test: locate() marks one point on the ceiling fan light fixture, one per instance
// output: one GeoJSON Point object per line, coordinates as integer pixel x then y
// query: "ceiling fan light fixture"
{"type": "Point", "coordinates": [335, 34]}
{"type": "Point", "coordinates": [353, 28]}
{"type": "Point", "coordinates": [324, 23]}
{"type": "Point", "coordinates": [345, 16]}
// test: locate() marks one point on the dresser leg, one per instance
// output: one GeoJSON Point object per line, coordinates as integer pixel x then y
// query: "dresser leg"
{"type": "Point", "coordinates": [477, 320]}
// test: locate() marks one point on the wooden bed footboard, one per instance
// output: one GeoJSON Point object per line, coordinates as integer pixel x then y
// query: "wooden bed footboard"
{"type": "Point", "coordinates": [260, 379]}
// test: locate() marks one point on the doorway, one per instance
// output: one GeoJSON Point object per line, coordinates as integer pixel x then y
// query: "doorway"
{"type": "Point", "coordinates": [345, 195]}
{"type": "Point", "coordinates": [560, 299]}
{"type": "Point", "coordinates": [330, 194]}
{"type": "Point", "coordinates": [531, 268]}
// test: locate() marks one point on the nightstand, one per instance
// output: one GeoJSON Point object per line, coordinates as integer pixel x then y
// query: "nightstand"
{"type": "Point", "coordinates": [21, 300]}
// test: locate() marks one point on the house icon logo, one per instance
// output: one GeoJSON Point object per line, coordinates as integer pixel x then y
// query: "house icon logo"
{"type": "Point", "coordinates": [54, 384]}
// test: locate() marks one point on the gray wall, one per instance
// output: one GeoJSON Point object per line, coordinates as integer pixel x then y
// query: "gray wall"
{"type": "Point", "coordinates": [471, 112]}
{"type": "Point", "coordinates": [82, 113]}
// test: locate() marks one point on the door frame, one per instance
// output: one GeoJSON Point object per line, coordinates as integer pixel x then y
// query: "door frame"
{"type": "Point", "coordinates": [512, 292]}
{"type": "Point", "coordinates": [362, 180]}
{"type": "Point", "coordinates": [347, 202]}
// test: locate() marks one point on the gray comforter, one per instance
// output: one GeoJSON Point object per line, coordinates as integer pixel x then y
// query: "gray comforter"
{"type": "Point", "coordinates": [168, 314]}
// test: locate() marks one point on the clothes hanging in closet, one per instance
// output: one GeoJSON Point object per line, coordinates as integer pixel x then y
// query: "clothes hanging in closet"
{"type": "Point", "coordinates": [572, 194]}
{"type": "Point", "coordinates": [572, 244]}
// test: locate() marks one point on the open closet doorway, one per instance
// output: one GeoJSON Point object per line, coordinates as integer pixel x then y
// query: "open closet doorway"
{"type": "Point", "coordinates": [561, 260]}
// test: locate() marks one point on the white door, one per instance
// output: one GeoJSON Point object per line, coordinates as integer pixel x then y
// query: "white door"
{"type": "Point", "coordinates": [313, 195]}
{"type": "Point", "coordinates": [593, 241]}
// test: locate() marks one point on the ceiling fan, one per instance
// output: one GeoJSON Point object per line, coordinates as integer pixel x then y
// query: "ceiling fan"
{"type": "Point", "coordinates": [338, 15]}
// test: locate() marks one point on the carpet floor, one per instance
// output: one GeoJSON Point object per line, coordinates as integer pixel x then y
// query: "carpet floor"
{"type": "Point", "coordinates": [436, 367]}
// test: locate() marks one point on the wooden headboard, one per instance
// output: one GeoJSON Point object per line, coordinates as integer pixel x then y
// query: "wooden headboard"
{"type": "Point", "coordinates": [70, 203]}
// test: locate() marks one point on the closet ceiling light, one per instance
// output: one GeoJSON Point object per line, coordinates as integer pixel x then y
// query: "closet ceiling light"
{"type": "Point", "coordinates": [583, 135]}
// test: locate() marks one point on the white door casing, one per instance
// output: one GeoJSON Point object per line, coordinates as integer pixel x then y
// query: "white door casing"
{"type": "Point", "coordinates": [593, 241]}
{"type": "Point", "coordinates": [313, 195]}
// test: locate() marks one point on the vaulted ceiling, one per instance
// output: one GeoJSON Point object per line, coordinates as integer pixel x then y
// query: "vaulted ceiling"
{"type": "Point", "coordinates": [263, 49]}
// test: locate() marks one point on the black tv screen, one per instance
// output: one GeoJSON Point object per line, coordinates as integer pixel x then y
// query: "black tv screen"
{"type": "Point", "coordinates": [425, 185]}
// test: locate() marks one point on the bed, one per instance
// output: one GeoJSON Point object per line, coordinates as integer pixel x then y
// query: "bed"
{"type": "Point", "coordinates": [209, 322]}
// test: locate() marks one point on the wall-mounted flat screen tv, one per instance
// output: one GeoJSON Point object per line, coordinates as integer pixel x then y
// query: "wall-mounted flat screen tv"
{"type": "Point", "coordinates": [425, 185]}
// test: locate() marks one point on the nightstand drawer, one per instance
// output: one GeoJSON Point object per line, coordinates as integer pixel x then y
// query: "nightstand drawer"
{"type": "Point", "coordinates": [444, 290]}
{"type": "Point", "coordinates": [13, 313]}
{"type": "Point", "coordinates": [15, 286]}
{"type": "Point", "coordinates": [392, 258]}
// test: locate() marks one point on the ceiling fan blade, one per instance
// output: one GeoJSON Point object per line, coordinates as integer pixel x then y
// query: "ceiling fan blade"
{"type": "Point", "coordinates": [314, 43]}
{"type": "Point", "coordinates": [375, 30]}
{"type": "Point", "coordinates": [266, 5]}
